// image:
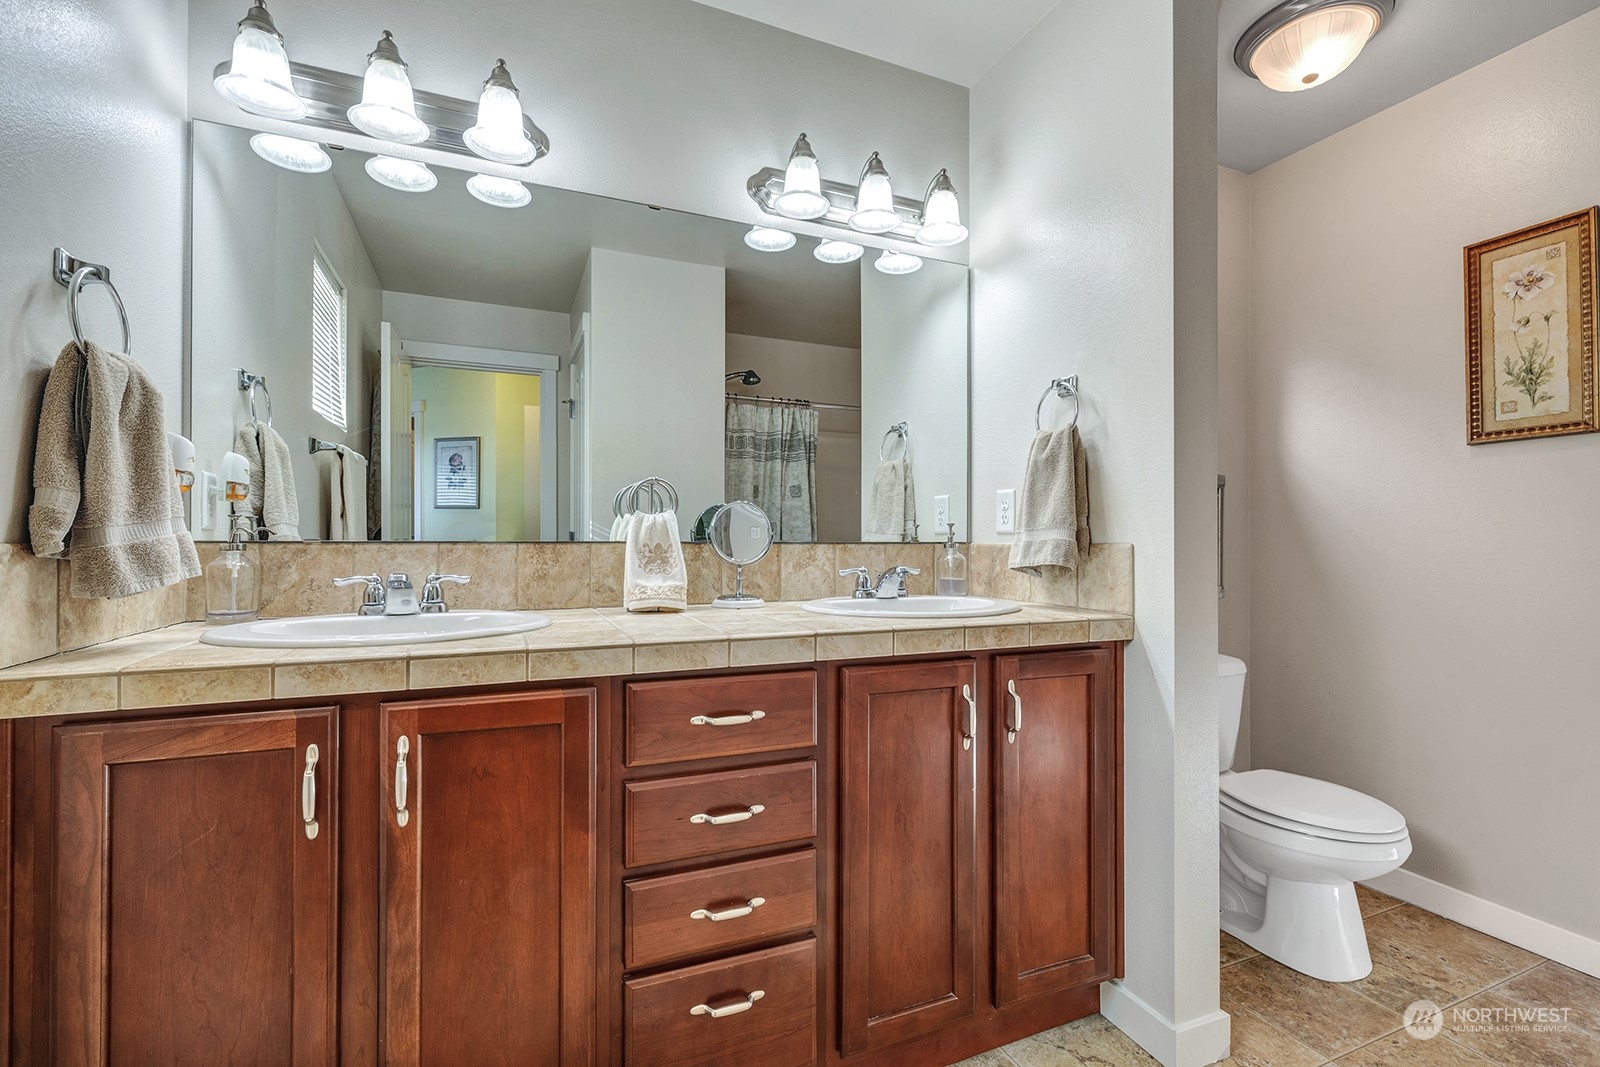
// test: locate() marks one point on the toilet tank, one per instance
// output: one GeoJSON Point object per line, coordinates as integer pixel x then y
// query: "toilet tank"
{"type": "Point", "coordinates": [1230, 706]}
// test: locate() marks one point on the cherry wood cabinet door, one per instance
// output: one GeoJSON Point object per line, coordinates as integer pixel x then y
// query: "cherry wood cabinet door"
{"type": "Point", "coordinates": [488, 880]}
{"type": "Point", "coordinates": [908, 863]}
{"type": "Point", "coordinates": [1054, 738]}
{"type": "Point", "coordinates": [194, 891]}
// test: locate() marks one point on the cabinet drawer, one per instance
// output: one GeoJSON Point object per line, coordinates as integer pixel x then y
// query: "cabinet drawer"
{"type": "Point", "coordinates": [698, 719]}
{"type": "Point", "coordinates": [668, 1020]}
{"type": "Point", "coordinates": [679, 915]}
{"type": "Point", "coordinates": [704, 814]}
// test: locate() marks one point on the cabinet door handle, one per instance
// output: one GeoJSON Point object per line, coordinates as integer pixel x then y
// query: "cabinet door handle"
{"type": "Point", "coordinates": [734, 816]}
{"type": "Point", "coordinates": [735, 1008]}
{"type": "Point", "coordinates": [1014, 727]}
{"type": "Point", "coordinates": [970, 730]}
{"type": "Point", "coordinates": [727, 720]}
{"type": "Point", "coordinates": [729, 913]}
{"type": "Point", "coordinates": [401, 748]}
{"type": "Point", "coordinates": [308, 793]}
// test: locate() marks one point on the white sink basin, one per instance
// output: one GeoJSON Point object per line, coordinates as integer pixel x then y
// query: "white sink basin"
{"type": "Point", "coordinates": [357, 631]}
{"type": "Point", "coordinates": [914, 607]}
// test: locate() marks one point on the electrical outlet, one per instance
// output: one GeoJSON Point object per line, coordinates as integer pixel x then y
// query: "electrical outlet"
{"type": "Point", "coordinates": [1005, 511]}
{"type": "Point", "coordinates": [941, 513]}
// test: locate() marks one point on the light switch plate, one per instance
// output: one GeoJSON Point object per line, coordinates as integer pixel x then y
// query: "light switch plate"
{"type": "Point", "coordinates": [1005, 511]}
{"type": "Point", "coordinates": [941, 513]}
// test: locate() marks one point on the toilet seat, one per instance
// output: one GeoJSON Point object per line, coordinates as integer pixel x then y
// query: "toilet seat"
{"type": "Point", "coordinates": [1311, 807]}
{"type": "Point", "coordinates": [1246, 812]}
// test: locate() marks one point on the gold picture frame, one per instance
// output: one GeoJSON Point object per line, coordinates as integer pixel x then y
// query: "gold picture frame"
{"type": "Point", "coordinates": [1530, 303]}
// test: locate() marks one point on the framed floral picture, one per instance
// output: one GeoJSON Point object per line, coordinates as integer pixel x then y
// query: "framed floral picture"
{"type": "Point", "coordinates": [1531, 332]}
{"type": "Point", "coordinates": [455, 472]}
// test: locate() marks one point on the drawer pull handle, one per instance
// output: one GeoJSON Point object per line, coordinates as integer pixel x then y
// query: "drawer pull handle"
{"type": "Point", "coordinates": [727, 720]}
{"type": "Point", "coordinates": [730, 1009]}
{"type": "Point", "coordinates": [733, 816]}
{"type": "Point", "coordinates": [308, 793]}
{"type": "Point", "coordinates": [970, 729]}
{"type": "Point", "coordinates": [1014, 727]}
{"type": "Point", "coordinates": [730, 913]}
{"type": "Point", "coordinates": [401, 748]}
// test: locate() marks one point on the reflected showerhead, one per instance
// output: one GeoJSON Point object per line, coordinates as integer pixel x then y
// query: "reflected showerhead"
{"type": "Point", "coordinates": [746, 377]}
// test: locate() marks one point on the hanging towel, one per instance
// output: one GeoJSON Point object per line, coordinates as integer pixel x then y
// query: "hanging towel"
{"type": "Point", "coordinates": [347, 496]}
{"type": "Point", "coordinates": [272, 498]}
{"type": "Point", "coordinates": [108, 501]}
{"type": "Point", "coordinates": [619, 527]}
{"type": "Point", "coordinates": [893, 508]}
{"type": "Point", "coordinates": [654, 577]}
{"type": "Point", "coordinates": [1053, 514]}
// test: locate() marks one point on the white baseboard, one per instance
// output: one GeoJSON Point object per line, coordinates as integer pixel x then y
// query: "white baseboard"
{"type": "Point", "coordinates": [1197, 1043]}
{"type": "Point", "coordinates": [1575, 950]}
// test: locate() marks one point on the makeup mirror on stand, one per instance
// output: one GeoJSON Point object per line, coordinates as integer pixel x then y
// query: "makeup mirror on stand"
{"type": "Point", "coordinates": [741, 534]}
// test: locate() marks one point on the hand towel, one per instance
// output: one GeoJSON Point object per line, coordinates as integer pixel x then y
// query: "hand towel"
{"type": "Point", "coordinates": [347, 496]}
{"type": "Point", "coordinates": [1053, 514]}
{"type": "Point", "coordinates": [892, 512]}
{"type": "Point", "coordinates": [619, 527]}
{"type": "Point", "coordinates": [272, 497]}
{"type": "Point", "coordinates": [654, 577]}
{"type": "Point", "coordinates": [106, 498]}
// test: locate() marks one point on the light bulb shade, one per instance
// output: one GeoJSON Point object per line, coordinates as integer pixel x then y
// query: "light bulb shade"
{"type": "Point", "coordinates": [838, 251]}
{"type": "Point", "coordinates": [875, 211]}
{"type": "Point", "coordinates": [291, 153]}
{"type": "Point", "coordinates": [1304, 43]}
{"type": "Point", "coordinates": [406, 175]}
{"type": "Point", "coordinates": [802, 185]}
{"type": "Point", "coordinates": [941, 215]}
{"type": "Point", "coordinates": [388, 111]}
{"type": "Point", "coordinates": [257, 79]}
{"type": "Point", "coordinates": [892, 262]}
{"type": "Point", "coordinates": [767, 239]}
{"type": "Point", "coordinates": [500, 192]}
{"type": "Point", "coordinates": [498, 134]}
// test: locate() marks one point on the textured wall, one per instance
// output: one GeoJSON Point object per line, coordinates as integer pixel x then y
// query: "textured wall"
{"type": "Point", "coordinates": [1233, 423]}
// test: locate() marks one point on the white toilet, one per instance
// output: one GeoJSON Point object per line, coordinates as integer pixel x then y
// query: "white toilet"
{"type": "Point", "coordinates": [1292, 849]}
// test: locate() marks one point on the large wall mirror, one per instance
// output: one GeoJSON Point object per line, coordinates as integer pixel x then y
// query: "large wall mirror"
{"type": "Point", "coordinates": [506, 373]}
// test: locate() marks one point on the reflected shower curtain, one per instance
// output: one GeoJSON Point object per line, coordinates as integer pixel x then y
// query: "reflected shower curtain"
{"type": "Point", "coordinates": [771, 460]}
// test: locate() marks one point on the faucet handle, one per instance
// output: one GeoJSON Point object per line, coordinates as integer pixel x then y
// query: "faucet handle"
{"type": "Point", "coordinates": [863, 579]}
{"type": "Point", "coordinates": [458, 579]}
{"type": "Point", "coordinates": [356, 579]}
{"type": "Point", "coordinates": [373, 598]}
{"type": "Point", "coordinates": [433, 591]}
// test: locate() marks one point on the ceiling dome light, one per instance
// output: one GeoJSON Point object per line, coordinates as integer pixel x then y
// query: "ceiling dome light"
{"type": "Point", "coordinates": [291, 153]}
{"type": "Point", "coordinates": [802, 185]}
{"type": "Point", "coordinates": [941, 214]}
{"type": "Point", "coordinates": [875, 211]}
{"type": "Point", "coordinates": [498, 135]}
{"type": "Point", "coordinates": [1303, 43]}
{"type": "Point", "coordinates": [892, 262]}
{"type": "Point", "coordinates": [838, 251]}
{"type": "Point", "coordinates": [406, 175]}
{"type": "Point", "coordinates": [387, 110]}
{"type": "Point", "coordinates": [500, 192]}
{"type": "Point", "coordinates": [258, 78]}
{"type": "Point", "coordinates": [767, 239]}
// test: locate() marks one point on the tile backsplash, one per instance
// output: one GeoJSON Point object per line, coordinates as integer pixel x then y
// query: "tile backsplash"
{"type": "Point", "coordinates": [297, 580]}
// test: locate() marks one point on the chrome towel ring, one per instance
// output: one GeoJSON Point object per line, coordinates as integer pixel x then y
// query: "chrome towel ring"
{"type": "Point", "coordinates": [249, 383]}
{"type": "Point", "coordinates": [75, 274]}
{"type": "Point", "coordinates": [901, 430]}
{"type": "Point", "coordinates": [1062, 388]}
{"type": "Point", "coordinates": [661, 492]}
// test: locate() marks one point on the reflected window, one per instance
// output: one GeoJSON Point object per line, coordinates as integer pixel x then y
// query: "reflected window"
{"type": "Point", "coordinates": [329, 325]}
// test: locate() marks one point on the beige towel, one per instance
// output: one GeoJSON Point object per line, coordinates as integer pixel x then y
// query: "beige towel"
{"type": "Point", "coordinates": [1053, 514]}
{"type": "Point", "coordinates": [892, 512]}
{"type": "Point", "coordinates": [272, 498]}
{"type": "Point", "coordinates": [654, 577]}
{"type": "Point", "coordinates": [109, 504]}
{"type": "Point", "coordinates": [347, 496]}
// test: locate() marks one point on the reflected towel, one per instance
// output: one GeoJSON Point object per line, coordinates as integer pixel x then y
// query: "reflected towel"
{"type": "Point", "coordinates": [272, 498]}
{"type": "Point", "coordinates": [892, 512]}
{"type": "Point", "coordinates": [1053, 514]}
{"type": "Point", "coordinates": [347, 496]}
{"type": "Point", "coordinates": [654, 577]}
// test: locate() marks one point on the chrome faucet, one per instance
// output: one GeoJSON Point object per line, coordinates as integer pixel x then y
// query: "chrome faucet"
{"type": "Point", "coordinates": [433, 592]}
{"type": "Point", "coordinates": [892, 582]}
{"type": "Point", "coordinates": [400, 596]}
{"type": "Point", "coordinates": [373, 597]}
{"type": "Point", "coordinates": [863, 582]}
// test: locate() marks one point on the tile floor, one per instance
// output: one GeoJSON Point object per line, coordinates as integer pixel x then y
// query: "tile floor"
{"type": "Point", "coordinates": [1281, 1018]}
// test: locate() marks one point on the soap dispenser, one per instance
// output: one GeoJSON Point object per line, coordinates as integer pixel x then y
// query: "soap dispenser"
{"type": "Point", "coordinates": [951, 573]}
{"type": "Point", "coordinates": [233, 581]}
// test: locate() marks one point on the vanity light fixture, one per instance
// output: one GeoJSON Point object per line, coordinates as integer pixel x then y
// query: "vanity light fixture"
{"type": "Point", "coordinates": [802, 185]}
{"type": "Point", "coordinates": [893, 262]}
{"type": "Point", "coordinates": [499, 192]}
{"type": "Point", "coordinates": [498, 135]}
{"type": "Point", "coordinates": [874, 211]}
{"type": "Point", "coordinates": [941, 214]}
{"type": "Point", "coordinates": [388, 110]}
{"type": "Point", "coordinates": [767, 239]}
{"type": "Point", "coordinates": [405, 175]}
{"type": "Point", "coordinates": [258, 79]}
{"type": "Point", "coordinates": [291, 153]}
{"type": "Point", "coordinates": [870, 207]}
{"type": "Point", "coordinates": [1301, 44]}
{"type": "Point", "coordinates": [838, 251]}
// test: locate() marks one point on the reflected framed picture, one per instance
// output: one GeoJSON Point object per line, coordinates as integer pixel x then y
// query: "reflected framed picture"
{"type": "Point", "coordinates": [1531, 332]}
{"type": "Point", "coordinates": [455, 472]}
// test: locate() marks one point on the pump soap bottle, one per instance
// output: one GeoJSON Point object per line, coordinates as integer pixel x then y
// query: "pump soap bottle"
{"type": "Point", "coordinates": [951, 572]}
{"type": "Point", "coordinates": [233, 581]}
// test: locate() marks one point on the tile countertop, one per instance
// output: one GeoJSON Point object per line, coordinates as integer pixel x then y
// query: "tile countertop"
{"type": "Point", "coordinates": [171, 667]}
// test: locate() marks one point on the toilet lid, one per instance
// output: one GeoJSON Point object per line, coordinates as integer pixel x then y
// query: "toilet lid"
{"type": "Point", "coordinates": [1313, 802]}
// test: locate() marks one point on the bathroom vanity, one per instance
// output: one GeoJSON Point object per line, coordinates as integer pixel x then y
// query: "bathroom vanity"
{"type": "Point", "coordinates": [905, 849]}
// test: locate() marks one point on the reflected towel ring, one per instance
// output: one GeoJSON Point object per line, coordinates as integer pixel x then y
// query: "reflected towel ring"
{"type": "Point", "coordinates": [660, 490]}
{"type": "Point", "coordinates": [247, 384]}
{"type": "Point", "coordinates": [901, 430]}
{"type": "Point", "coordinates": [1062, 388]}
{"type": "Point", "coordinates": [81, 277]}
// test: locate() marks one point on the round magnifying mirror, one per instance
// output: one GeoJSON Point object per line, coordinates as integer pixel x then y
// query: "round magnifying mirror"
{"type": "Point", "coordinates": [741, 534]}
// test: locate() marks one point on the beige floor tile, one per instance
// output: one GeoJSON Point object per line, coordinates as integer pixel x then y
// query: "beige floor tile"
{"type": "Point", "coordinates": [1401, 975]}
{"type": "Point", "coordinates": [1403, 1050]}
{"type": "Point", "coordinates": [1479, 957]}
{"type": "Point", "coordinates": [1372, 902]}
{"type": "Point", "coordinates": [1330, 1018]}
{"type": "Point", "coordinates": [1090, 1042]}
{"type": "Point", "coordinates": [1257, 1043]}
{"type": "Point", "coordinates": [993, 1058]}
{"type": "Point", "coordinates": [1479, 1024]}
{"type": "Point", "coordinates": [1235, 951]}
{"type": "Point", "coordinates": [1550, 985]}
